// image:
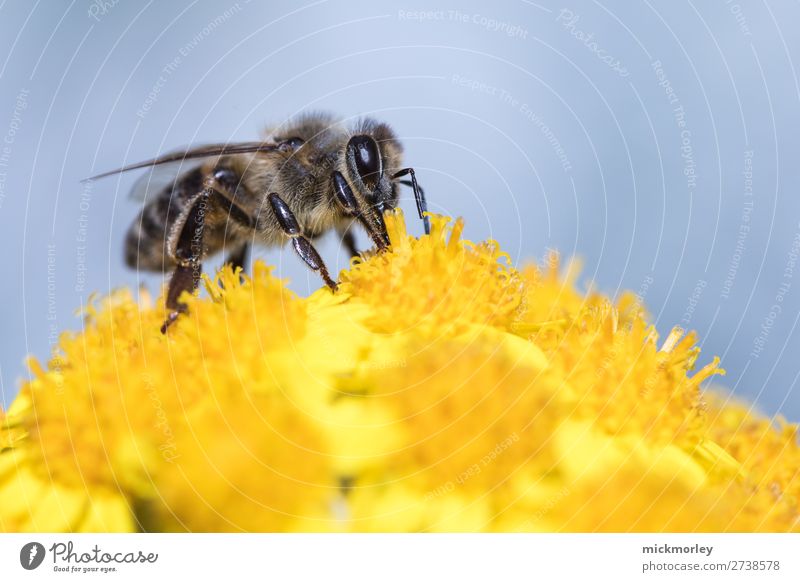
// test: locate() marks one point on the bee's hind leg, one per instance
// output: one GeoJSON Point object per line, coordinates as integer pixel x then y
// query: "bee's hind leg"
{"type": "Point", "coordinates": [188, 255]}
{"type": "Point", "coordinates": [288, 223]}
{"type": "Point", "coordinates": [183, 279]}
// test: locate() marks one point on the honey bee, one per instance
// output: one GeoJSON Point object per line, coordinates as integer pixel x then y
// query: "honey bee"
{"type": "Point", "coordinates": [307, 177]}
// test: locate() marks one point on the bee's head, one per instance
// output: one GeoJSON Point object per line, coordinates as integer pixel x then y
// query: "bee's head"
{"type": "Point", "coordinates": [365, 188]}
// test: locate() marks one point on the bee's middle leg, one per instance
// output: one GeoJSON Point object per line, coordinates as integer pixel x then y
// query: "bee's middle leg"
{"type": "Point", "coordinates": [348, 240]}
{"type": "Point", "coordinates": [225, 184]}
{"type": "Point", "coordinates": [288, 223]}
{"type": "Point", "coordinates": [238, 258]}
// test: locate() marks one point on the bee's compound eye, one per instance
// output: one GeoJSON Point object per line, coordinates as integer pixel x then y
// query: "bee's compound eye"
{"type": "Point", "coordinates": [367, 158]}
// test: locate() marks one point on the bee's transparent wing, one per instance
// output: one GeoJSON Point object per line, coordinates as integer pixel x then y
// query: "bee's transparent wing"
{"type": "Point", "coordinates": [159, 178]}
{"type": "Point", "coordinates": [164, 169]}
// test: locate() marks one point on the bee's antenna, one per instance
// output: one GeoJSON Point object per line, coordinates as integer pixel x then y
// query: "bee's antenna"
{"type": "Point", "coordinates": [419, 195]}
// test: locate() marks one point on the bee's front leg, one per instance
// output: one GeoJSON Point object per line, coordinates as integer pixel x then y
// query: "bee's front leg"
{"type": "Point", "coordinates": [375, 227]}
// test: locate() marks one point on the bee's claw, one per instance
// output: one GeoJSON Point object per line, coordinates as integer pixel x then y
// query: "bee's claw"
{"type": "Point", "coordinates": [171, 318]}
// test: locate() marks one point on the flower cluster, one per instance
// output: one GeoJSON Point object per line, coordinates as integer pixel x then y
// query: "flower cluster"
{"type": "Point", "coordinates": [439, 389]}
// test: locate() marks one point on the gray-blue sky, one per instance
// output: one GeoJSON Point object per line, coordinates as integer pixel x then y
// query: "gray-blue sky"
{"type": "Point", "coordinates": [618, 132]}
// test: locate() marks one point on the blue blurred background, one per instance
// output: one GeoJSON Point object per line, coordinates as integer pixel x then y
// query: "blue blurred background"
{"type": "Point", "coordinates": [657, 141]}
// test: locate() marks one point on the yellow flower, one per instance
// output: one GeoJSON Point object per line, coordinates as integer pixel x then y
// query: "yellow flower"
{"type": "Point", "coordinates": [440, 389]}
{"type": "Point", "coordinates": [436, 284]}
